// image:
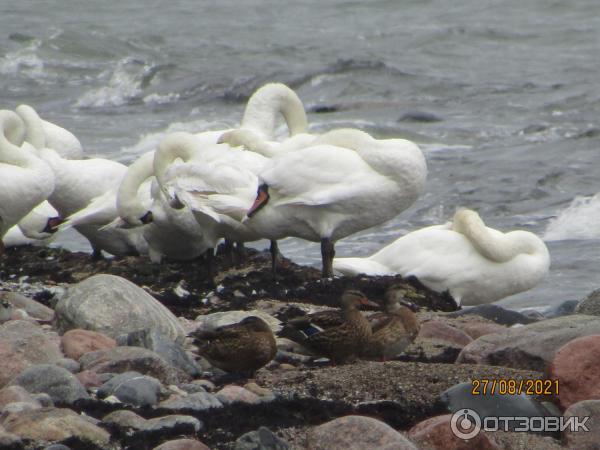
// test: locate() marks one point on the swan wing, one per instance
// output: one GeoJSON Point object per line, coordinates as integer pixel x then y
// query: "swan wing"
{"type": "Point", "coordinates": [355, 266]}
{"type": "Point", "coordinates": [100, 210]}
{"type": "Point", "coordinates": [319, 175]}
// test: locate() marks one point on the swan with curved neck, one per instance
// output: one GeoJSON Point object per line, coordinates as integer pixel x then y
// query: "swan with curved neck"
{"type": "Point", "coordinates": [346, 182]}
{"type": "Point", "coordinates": [475, 263]}
{"type": "Point", "coordinates": [257, 130]}
{"type": "Point", "coordinates": [216, 182]}
{"type": "Point", "coordinates": [36, 228]}
{"type": "Point", "coordinates": [265, 106]}
{"type": "Point", "coordinates": [82, 191]}
{"type": "Point", "coordinates": [169, 232]}
{"type": "Point", "coordinates": [25, 180]}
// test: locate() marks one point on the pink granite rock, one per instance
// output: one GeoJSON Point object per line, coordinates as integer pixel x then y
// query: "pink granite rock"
{"type": "Point", "coordinates": [436, 329]}
{"type": "Point", "coordinates": [356, 433]}
{"type": "Point", "coordinates": [12, 394]}
{"type": "Point", "coordinates": [76, 343]}
{"type": "Point", "coordinates": [54, 424]}
{"type": "Point", "coordinates": [435, 433]}
{"type": "Point", "coordinates": [575, 365]}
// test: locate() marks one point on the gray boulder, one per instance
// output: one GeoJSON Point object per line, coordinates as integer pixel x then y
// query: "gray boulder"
{"type": "Point", "coordinates": [60, 384]}
{"type": "Point", "coordinates": [132, 388]}
{"type": "Point", "coordinates": [170, 351]}
{"type": "Point", "coordinates": [589, 305]}
{"type": "Point", "coordinates": [113, 305]}
{"type": "Point", "coordinates": [31, 307]}
{"type": "Point", "coordinates": [138, 359]}
{"type": "Point", "coordinates": [530, 346]}
{"type": "Point", "coordinates": [261, 439]}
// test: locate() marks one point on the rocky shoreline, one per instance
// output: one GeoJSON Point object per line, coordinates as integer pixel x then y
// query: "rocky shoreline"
{"type": "Point", "coordinates": [77, 371]}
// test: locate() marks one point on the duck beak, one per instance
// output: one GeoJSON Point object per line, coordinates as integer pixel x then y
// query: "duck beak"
{"type": "Point", "coordinates": [413, 307]}
{"type": "Point", "coordinates": [365, 301]}
{"type": "Point", "coordinates": [52, 225]}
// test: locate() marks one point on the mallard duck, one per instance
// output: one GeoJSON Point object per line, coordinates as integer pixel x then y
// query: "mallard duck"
{"type": "Point", "coordinates": [342, 342]}
{"type": "Point", "coordinates": [242, 347]}
{"type": "Point", "coordinates": [393, 330]}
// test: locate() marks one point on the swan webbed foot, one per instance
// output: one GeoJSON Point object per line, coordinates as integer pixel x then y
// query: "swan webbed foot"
{"type": "Point", "coordinates": [327, 255]}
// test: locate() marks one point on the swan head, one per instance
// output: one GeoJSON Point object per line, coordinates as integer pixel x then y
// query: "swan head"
{"type": "Point", "coordinates": [52, 224]}
{"type": "Point", "coordinates": [12, 127]}
{"type": "Point", "coordinates": [242, 137]}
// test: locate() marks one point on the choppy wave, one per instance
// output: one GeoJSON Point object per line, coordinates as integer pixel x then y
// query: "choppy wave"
{"type": "Point", "coordinates": [580, 220]}
{"type": "Point", "coordinates": [125, 84]}
{"type": "Point", "coordinates": [24, 61]}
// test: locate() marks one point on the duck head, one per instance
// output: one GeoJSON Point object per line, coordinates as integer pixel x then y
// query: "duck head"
{"type": "Point", "coordinates": [352, 299]}
{"type": "Point", "coordinates": [395, 299]}
{"type": "Point", "coordinates": [256, 324]}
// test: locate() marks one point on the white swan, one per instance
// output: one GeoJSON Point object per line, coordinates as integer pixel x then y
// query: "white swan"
{"type": "Point", "coordinates": [25, 180]}
{"type": "Point", "coordinates": [36, 228]}
{"type": "Point", "coordinates": [170, 232]}
{"type": "Point", "coordinates": [475, 263]}
{"type": "Point", "coordinates": [346, 182]}
{"type": "Point", "coordinates": [217, 183]}
{"type": "Point", "coordinates": [81, 184]}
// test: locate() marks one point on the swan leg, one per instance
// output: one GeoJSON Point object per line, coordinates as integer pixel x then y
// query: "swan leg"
{"type": "Point", "coordinates": [209, 260]}
{"type": "Point", "coordinates": [97, 254]}
{"type": "Point", "coordinates": [274, 249]}
{"type": "Point", "coordinates": [327, 254]}
{"type": "Point", "coordinates": [240, 252]}
{"type": "Point", "coordinates": [2, 248]}
{"type": "Point", "coordinates": [228, 250]}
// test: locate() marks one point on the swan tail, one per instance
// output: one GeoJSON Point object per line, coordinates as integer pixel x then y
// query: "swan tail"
{"type": "Point", "coordinates": [355, 266]}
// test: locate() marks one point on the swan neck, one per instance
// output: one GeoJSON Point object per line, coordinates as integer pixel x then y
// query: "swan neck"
{"type": "Point", "coordinates": [12, 129]}
{"type": "Point", "coordinates": [176, 145]}
{"type": "Point", "coordinates": [270, 101]}
{"type": "Point", "coordinates": [128, 203]}
{"type": "Point", "coordinates": [34, 133]}
{"type": "Point", "coordinates": [496, 246]}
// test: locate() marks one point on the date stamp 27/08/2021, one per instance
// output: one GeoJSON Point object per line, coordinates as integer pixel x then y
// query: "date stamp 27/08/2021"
{"type": "Point", "coordinates": [510, 386]}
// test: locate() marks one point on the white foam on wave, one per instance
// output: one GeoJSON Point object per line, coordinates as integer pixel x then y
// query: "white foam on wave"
{"type": "Point", "coordinates": [124, 84]}
{"type": "Point", "coordinates": [158, 99]}
{"type": "Point", "coordinates": [579, 220]}
{"type": "Point", "coordinates": [24, 61]}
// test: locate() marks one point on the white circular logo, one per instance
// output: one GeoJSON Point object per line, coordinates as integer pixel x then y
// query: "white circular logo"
{"type": "Point", "coordinates": [465, 424]}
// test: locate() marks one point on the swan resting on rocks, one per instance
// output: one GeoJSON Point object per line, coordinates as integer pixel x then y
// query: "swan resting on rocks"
{"type": "Point", "coordinates": [475, 263]}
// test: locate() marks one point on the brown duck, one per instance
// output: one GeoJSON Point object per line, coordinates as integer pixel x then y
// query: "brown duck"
{"type": "Point", "coordinates": [342, 342]}
{"type": "Point", "coordinates": [393, 330]}
{"type": "Point", "coordinates": [242, 347]}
